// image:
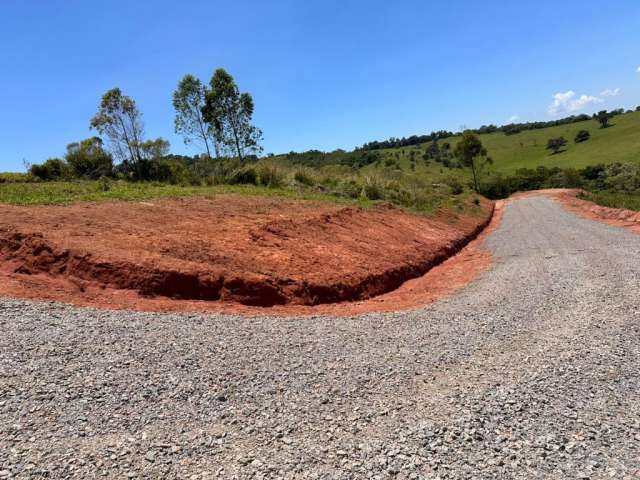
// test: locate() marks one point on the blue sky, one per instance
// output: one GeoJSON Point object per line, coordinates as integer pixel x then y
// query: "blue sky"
{"type": "Point", "coordinates": [323, 74]}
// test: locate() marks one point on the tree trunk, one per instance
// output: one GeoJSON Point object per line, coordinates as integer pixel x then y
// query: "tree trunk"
{"type": "Point", "coordinates": [475, 177]}
{"type": "Point", "coordinates": [126, 138]}
{"type": "Point", "coordinates": [235, 136]}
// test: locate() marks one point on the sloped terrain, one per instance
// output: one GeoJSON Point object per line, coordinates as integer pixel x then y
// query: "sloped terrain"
{"type": "Point", "coordinates": [227, 249]}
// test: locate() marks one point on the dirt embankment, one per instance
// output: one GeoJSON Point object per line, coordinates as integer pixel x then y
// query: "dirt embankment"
{"type": "Point", "coordinates": [618, 217]}
{"type": "Point", "coordinates": [226, 250]}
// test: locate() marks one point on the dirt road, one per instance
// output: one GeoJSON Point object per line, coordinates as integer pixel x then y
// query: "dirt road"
{"type": "Point", "coordinates": [531, 371]}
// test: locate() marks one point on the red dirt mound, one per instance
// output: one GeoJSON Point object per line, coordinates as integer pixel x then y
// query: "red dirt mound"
{"type": "Point", "coordinates": [225, 250]}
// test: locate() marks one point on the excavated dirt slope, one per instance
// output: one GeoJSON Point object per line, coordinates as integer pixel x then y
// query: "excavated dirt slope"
{"type": "Point", "coordinates": [618, 217]}
{"type": "Point", "coordinates": [223, 250]}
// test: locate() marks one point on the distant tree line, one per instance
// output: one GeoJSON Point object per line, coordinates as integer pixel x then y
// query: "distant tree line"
{"type": "Point", "coordinates": [316, 158]}
{"type": "Point", "coordinates": [408, 141]}
{"type": "Point", "coordinates": [509, 129]}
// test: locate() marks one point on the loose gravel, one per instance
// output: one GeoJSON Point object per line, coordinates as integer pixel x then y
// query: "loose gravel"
{"type": "Point", "coordinates": [531, 371]}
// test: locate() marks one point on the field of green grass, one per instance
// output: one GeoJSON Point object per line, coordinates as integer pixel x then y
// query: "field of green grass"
{"type": "Point", "coordinates": [59, 193]}
{"type": "Point", "coordinates": [618, 143]}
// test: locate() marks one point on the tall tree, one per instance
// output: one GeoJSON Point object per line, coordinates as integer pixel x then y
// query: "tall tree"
{"type": "Point", "coordinates": [119, 119]}
{"type": "Point", "coordinates": [189, 100]}
{"type": "Point", "coordinates": [603, 118]}
{"type": "Point", "coordinates": [229, 113]}
{"type": "Point", "coordinates": [471, 153]}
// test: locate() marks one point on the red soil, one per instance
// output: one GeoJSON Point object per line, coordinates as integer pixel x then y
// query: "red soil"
{"type": "Point", "coordinates": [234, 253]}
{"type": "Point", "coordinates": [618, 217]}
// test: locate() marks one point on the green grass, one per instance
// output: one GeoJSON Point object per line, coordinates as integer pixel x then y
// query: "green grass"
{"type": "Point", "coordinates": [10, 177]}
{"type": "Point", "coordinates": [63, 193]}
{"type": "Point", "coordinates": [618, 143]}
{"type": "Point", "coordinates": [628, 201]}
{"type": "Point", "coordinates": [60, 193]}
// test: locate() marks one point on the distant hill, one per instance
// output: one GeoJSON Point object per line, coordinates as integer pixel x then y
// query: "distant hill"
{"type": "Point", "coordinates": [618, 143]}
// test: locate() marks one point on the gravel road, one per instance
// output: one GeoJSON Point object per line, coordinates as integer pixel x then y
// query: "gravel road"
{"type": "Point", "coordinates": [531, 371]}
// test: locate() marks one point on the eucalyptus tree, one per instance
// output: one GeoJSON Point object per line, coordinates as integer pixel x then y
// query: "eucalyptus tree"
{"type": "Point", "coordinates": [229, 114]}
{"type": "Point", "coordinates": [189, 100]}
{"type": "Point", "coordinates": [119, 119]}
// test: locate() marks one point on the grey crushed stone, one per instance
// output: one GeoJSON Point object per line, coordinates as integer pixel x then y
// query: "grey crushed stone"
{"type": "Point", "coordinates": [531, 371]}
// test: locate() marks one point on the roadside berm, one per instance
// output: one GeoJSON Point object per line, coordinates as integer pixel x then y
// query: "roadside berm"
{"type": "Point", "coordinates": [224, 250]}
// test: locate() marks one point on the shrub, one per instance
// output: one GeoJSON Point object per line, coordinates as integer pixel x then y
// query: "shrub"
{"type": "Point", "coordinates": [350, 189]}
{"type": "Point", "coordinates": [567, 178]}
{"type": "Point", "coordinates": [52, 169]}
{"type": "Point", "coordinates": [372, 189]}
{"type": "Point", "coordinates": [243, 176]}
{"type": "Point", "coordinates": [496, 187]}
{"type": "Point", "coordinates": [270, 175]}
{"type": "Point", "coordinates": [17, 177]}
{"type": "Point", "coordinates": [104, 184]}
{"type": "Point", "coordinates": [622, 177]}
{"type": "Point", "coordinates": [304, 176]}
{"type": "Point", "coordinates": [592, 172]}
{"type": "Point", "coordinates": [88, 159]}
{"type": "Point", "coordinates": [455, 185]}
{"type": "Point", "coordinates": [582, 136]}
{"type": "Point", "coordinates": [556, 144]}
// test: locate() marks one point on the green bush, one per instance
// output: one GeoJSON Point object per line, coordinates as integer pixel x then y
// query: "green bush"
{"type": "Point", "coordinates": [349, 188]}
{"type": "Point", "coordinates": [270, 175]}
{"type": "Point", "coordinates": [372, 188]}
{"type": "Point", "coordinates": [88, 159]}
{"type": "Point", "coordinates": [104, 184]}
{"type": "Point", "coordinates": [455, 185]}
{"type": "Point", "coordinates": [243, 176]}
{"type": "Point", "coordinates": [10, 177]}
{"type": "Point", "coordinates": [52, 169]}
{"type": "Point", "coordinates": [582, 136]}
{"type": "Point", "coordinates": [622, 177]}
{"type": "Point", "coordinates": [304, 176]}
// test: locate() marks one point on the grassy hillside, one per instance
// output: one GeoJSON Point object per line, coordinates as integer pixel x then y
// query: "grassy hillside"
{"type": "Point", "coordinates": [618, 143]}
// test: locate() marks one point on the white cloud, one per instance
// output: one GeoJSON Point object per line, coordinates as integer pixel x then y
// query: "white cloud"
{"type": "Point", "coordinates": [514, 118]}
{"type": "Point", "coordinates": [611, 93]}
{"type": "Point", "coordinates": [566, 102]}
{"type": "Point", "coordinates": [638, 70]}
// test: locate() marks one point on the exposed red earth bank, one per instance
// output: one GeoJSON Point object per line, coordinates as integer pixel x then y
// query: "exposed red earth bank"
{"type": "Point", "coordinates": [237, 254]}
{"type": "Point", "coordinates": [567, 197]}
{"type": "Point", "coordinates": [618, 217]}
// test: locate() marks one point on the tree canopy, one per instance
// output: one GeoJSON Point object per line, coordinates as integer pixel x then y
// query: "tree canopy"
{"type": "Point", "coordinates": [556, 144]}
{"type": "Point", "coordinates": [229, 114]}
{"type": "Point", "coordinates": [471, 153]}
{"type": "Point", "coordinates": [88, 159]}
{"type": "Point", "coordinates": [189, 100]}
{"type": "Point", "coordinates": [119, 119]}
